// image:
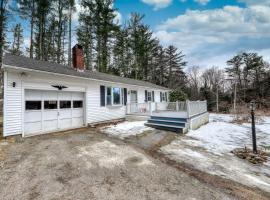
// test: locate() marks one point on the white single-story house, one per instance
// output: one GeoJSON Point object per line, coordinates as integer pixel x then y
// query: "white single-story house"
{"type": "Point", "coordinates": [42, 97]}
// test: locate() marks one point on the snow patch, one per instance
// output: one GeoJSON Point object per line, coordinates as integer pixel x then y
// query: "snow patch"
{"type": "Point", "coordinates": [220, 137]}
{"type": "Point", "coordinates": [127, 129]}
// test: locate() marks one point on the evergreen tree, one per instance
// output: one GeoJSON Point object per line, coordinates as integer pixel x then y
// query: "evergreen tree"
{"type": "Point", "coordinates": [101, 14]}
{"type": "Point", "coordinates": [3, 26]}
{"type": "Point", "coordinates": [27, 10]}
{"type": "Point", "coordinates": [16, 47]}
{"type": "Point", "coordinates": [71, 8]}
{"type": "Point", "coordinates": [175, 64]}
{"type": "Point", "coordinates": [61, 11]}
{"type": "Point", "coordinates": [142, 45]}
{"type": "Point", "coordinates": [43, 10]}
{"type": "Point", "coordinates": [121, 53]}
{"type": "Point", "coordinates": [85, 35]}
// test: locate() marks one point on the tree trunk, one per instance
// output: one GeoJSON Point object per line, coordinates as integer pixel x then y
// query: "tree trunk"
{"type": "Point", "coordinates": [32, 28]}
{"type": "Point", "coordinates": [69, 37]}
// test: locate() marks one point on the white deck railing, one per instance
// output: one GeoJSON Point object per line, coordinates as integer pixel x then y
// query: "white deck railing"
{"type": "Point", "coordinates": [192, 108]}
{"type": "Point", "coordinates": [196, 107]}
{"type": "Point", "coordinates": [170, 106]}
{"type": "Point", "coordinates": [138, 108]}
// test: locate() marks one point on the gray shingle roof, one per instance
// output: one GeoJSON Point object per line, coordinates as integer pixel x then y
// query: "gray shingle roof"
{"type": "Point", "coordinates": [27, 63]}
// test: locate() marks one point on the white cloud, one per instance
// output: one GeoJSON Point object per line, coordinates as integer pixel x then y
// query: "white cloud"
{"type": "Point", "coordinates": [202, 2]}
{"type": "Point", "coordinates": [256, 2]}
{"type": "Point", "coordinates": [210, 36]}
{"type": "Point", "coordinates": [158, 4]}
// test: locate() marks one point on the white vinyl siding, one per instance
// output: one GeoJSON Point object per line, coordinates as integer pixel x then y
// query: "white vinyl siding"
{"type": "Point", "coordinates": [12, 104]}
{"type": "Point", "coordinates": [96, 113]}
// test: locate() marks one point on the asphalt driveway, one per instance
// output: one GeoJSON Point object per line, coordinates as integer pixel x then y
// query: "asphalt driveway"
{"type": "Point", "coordinates": [83, 164]}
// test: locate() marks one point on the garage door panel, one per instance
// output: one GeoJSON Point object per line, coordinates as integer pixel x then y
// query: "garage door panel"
{"type": "Point", "coordinates": [50, 95]}
{"type": "Point", "coordinates": [77, 96]}
{"type": "Point", "coordinates": [33, 116]}
{"type": "Point", "coordinates": [64, 95]}
{"type": "Point", "coordinates": [50, 125]}
{"type": "Point", "coordinates": [77, 113]}
{"type": "Point", "coordinates": [64, 114]}
{"type": "Point", "coordinates": [77, 122]}
{"type": "Point", "coordinates": [65, 123]}
{"type": "Point", "coordinates": [50, 115]}
{"type": "Point", "coordinates": [33, 95]}
{"type": "Point", "coordinates": [33, 127]}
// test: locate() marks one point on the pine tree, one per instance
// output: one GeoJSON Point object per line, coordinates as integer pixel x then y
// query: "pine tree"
{"type": "Point", "coordinates": [61, 11]}
{"type": "Point", "coordinates": [142, 44]}
{"type": "Point", "coordinates": [43, 10]}
{"type": "Point", "coordinates": [3, 26]}
{"type": "Point", "coordinates": [27, 10]}
{"type": "Point", "coordinates": [175, 64]}
{"type": "Point", "coordinates": [71, 8]}
{"type": "Point", "coordinates": [121, 53]}
{"type": "Point", "coordinates": [16, 47]}
{"type": "Point", "coordinates": [85, 35]}
{"type": "Point", "coordinates": [99, 16]}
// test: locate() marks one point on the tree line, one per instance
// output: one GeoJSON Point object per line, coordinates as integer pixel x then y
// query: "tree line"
{"type": "Point", "coordinates": [246, 78]}
{"type": "Point", "coordinates": [128, 49]}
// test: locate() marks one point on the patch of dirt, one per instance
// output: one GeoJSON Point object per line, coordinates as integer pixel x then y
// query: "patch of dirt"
{"type": "Point", "coordinates": [247, 154]}
{"type": "Point", "coordinates": [134, 160]}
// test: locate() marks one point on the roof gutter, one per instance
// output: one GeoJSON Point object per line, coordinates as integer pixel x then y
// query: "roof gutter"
{"type": "Point", "coordinates": [57, 74]}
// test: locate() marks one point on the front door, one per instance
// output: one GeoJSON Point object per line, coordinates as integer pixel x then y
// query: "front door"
{"type": "Point", "coordinates": [133, 101]}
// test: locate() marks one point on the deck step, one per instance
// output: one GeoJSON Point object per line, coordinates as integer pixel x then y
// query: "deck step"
{"type": "Point", "coordinates": [169, 118]}
{"type": "Point", "coordinates": [165, 125]}
{"type": "Point", "coordinates": [177, 129]}
{"type": "Point", "coordinates": [167, 122]}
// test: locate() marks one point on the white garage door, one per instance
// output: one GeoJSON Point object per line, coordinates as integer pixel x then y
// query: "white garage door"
{"type": "Point", "coordinates": [48, 111]}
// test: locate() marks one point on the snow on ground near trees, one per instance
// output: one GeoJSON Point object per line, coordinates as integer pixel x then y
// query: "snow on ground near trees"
{"type": "Point", "coordinates": [208, 149]}
{"type": "Point", "coordinates": [126, 129]}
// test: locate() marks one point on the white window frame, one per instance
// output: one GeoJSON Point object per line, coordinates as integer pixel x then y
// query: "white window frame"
{"type": "Point", "coordinates": [112, 96]}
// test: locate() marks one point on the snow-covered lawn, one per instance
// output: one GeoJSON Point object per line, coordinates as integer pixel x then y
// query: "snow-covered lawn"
{"type": "Point", "coordinates": [126, 129]}
{"type": "Point", "coordinates": [209, 149]}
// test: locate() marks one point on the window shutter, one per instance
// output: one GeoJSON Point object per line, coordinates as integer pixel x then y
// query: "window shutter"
{"type": "Point", "coordinates": [145, 96]}
{"type": "Point", "coordinates": [125, 96]}
{"type": "Point", "coordinates": [160, 96]}
{"type": "Point", "coordinates": [166, 97]}
{"type": "Point", "coordinates": [153, 96]}
{"type": "Point", "coordinates": [102, 95]}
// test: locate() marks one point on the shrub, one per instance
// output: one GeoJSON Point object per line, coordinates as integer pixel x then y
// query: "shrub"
{"type": "Point", "coordinates": [177, 95]}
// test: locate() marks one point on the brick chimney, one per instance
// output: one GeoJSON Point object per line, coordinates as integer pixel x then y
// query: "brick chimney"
{"type": "Point", "coordinates": [77, 56]}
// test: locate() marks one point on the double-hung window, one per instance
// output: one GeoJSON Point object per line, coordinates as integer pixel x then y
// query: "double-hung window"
{"type": "Point", "coordinates": [114, 96]}
{"type": "Point", "coordinates": [163, 96]}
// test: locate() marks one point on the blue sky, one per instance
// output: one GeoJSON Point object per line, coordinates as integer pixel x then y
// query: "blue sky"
{"type": "Point", "coordinates": [209, 32]}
